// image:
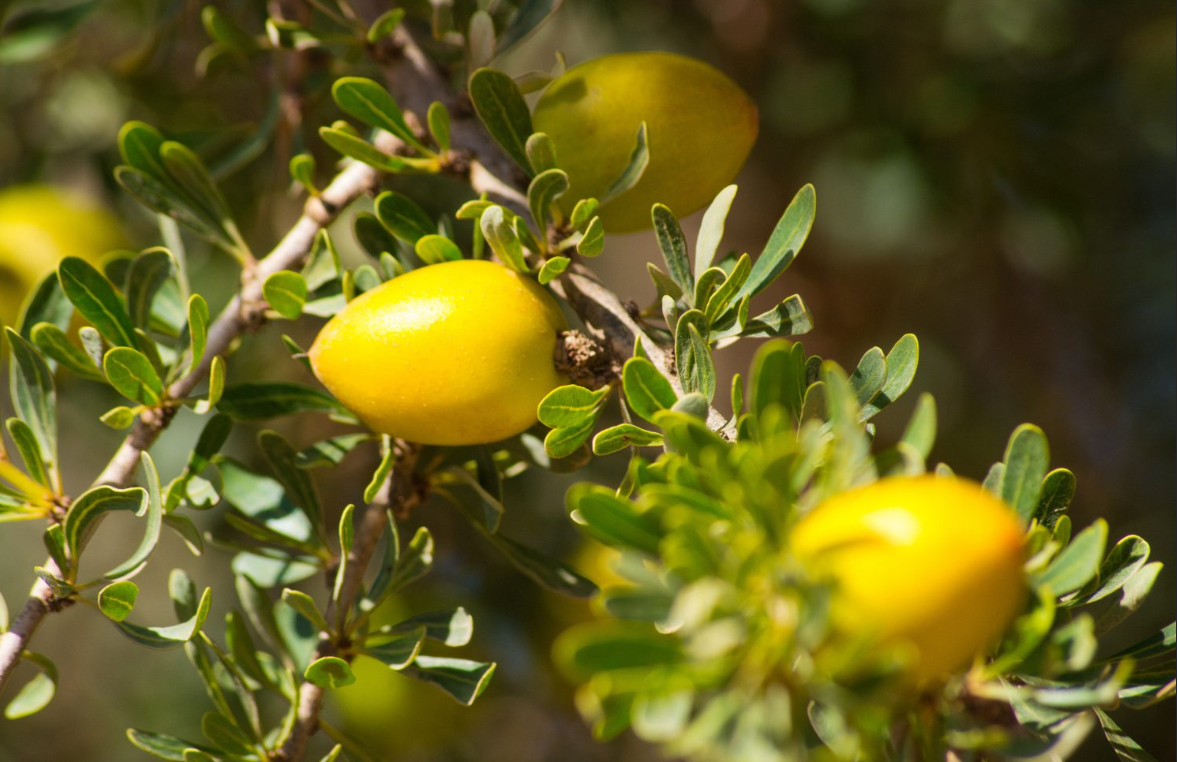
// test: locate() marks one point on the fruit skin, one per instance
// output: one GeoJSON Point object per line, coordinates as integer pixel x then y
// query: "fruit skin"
{"type": "Point", "coordinates": [701, 127]}
{"type": "Point", "coordinates": [451, 354]}
{"type": "Point", "coordinates": [935, 561]}
{"type": "Point", "coordinates": [39, 226]}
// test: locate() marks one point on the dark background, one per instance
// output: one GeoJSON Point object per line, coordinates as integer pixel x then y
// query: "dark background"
{"type": "Point", "coordinates": [995, 177]}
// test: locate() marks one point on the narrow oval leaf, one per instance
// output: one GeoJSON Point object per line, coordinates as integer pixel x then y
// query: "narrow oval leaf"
{"type": "Point", "coordinates": [639, 159]}
{"type": "Point", "coordinates": [502, 109]}
{"type": "Point", "coordinates": [373, 105]}
{"type": "Point", "coordinates": [646, 390]}
{"type": "Point", "coordinates": [463, 679]}
{"type": "Point", "coordinates": [624, 435]}
{"type": "Point", "coordinates": [176, 634]}
{"type": "Point", "coordinates": [786, 240]}
{"type": "Point", "coordinates": [133, 376]}
{"type": "Point", "coordinates": [711, 229]}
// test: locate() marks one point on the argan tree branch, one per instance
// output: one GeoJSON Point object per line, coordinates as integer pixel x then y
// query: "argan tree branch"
{"type": "Point", "coordinates": [417, 83]}
{"type": "Point", "coordinates": [397, 495]}
{"type": "Point", "coordinates": [243, 313]}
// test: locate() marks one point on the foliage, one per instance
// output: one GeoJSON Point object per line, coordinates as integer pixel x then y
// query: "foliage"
{"type": "Point", "coordinates": [718, 645]}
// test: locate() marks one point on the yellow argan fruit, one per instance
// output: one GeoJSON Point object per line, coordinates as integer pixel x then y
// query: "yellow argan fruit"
{"type": "Point", "coordinates": [451, 354]}
{"type": "Point", "coordinates": [934, 561]}
{"type": "Point", "coordinates": [39, 226]}
{"type": "Point", "coordinates": [701, 128]}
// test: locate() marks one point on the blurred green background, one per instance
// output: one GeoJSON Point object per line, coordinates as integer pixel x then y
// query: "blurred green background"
{"type": "Point", "coordinates": [996, 176]}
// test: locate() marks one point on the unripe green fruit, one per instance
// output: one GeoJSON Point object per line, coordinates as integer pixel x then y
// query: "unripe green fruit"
{"type": "Point", "coordinates": [451, 354]}
{"type": "Point", "coordinates": [39, 226]}
{"type": "Point", "coordinates": [701, 127]}
{"type": "Point", "coordinates": [933, 561]}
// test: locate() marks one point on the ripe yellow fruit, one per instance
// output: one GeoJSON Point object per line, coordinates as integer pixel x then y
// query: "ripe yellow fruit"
{"type": "Point", "coordinates": [39, 226]}
{"type": "Point", "coordinates": [451, 354]}
{"type": "Point", "coordinates": [934, 561]}
{"type": "Point", "coordinates": [701, 127]}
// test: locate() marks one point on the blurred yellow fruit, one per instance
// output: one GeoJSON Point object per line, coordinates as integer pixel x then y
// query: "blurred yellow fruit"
{"type": "Point", "coordinates": [933, 561]}
{"type": "Point", "coordinates": [455, 353]}
{"type": "Point", "coordinates": [701, 129]}
{"type": "Point", "coordinates": [40, 225]}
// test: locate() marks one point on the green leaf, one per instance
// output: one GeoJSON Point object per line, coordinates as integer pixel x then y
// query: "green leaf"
{"type": "Point", "coordinates": [163, 197]}
{"type": "Point", "coordinates": [374, 106]}
{"type": "Point", "coordinates": [361, 150]}
{"type": "Point", "coordinates": [117, 600]}
{"type": "Point", "coordinates": [286, 292]}
{"type": "Point", "coordinates": [545, 188]}
{"type": "Point", "coordinates": [154, 505]}
{"type": "Point", "coordinates": [1126, 749]}
{"type": "Point", "coordinates": [528, 15]}
{"type": "Point", "coordinates": [700, 367]}
{"type": "Point", "coordinates": [381, 474]}
{"type": "Point", "coordinates": [95, 298]}
{"type": "Point", "coordinates": [786, 240]}
{"type": "Point", "coordinates": [264, 500]}
{"type": "Point", "coordinates": [33, 396]}
{"type": "Point", "coordinates": [403, 217]}
{"type": "Point", "coordinates": [1132, 594]}
{"type": "Point", "coordinates": [36, 694]}
{"type": "Point", "coordinates": [434, 249]}
{"type": "Point", "coordinates": [216, 386]}
{"type": "Point", "coordinates": [639, 159]}
{"type": "Point", "coordinates": [1123, 561]}
{"type": "Point", "coordinates": [222, 29]}
{"type": "Point", "coordinates": [397, 652]}
{"type": "Point", "coordinates": [570, 405]}
{"type": "Point", "coordinates": [541, 155]}
{"type": "Point", "coordinates": [920, 433]}
{"type": "Point", "coordinates": [711, 229]}
{"type": "Point", "coordinates": [330, 452]}
{"type": "Point", "coordinates": [55, 344]}
{"type": "Point", "coordinates": [30, 451]}
{"type": "Point", "coordinates": [176, 634]}
{"type": "Point", "coordinates": [347, 531]}
{"type": "Point", "coordinates": [715, 306]}
{"type": "Point", "coordinates": [565, 441]}
{"type": "Point", "coordinates": [673, 245]}
{"type": "Point", "coordinates": [1027, 457]}
{"type": "Point", "coordinates": [453, 627]}
{"type": "Point", "coordinates": [91, 506]}
{"type": "Point", "coordinates": [501, 236]}
{"type": "Point", "coordinates": [1078, 563]}
{"type": "Point", "coordinates": [463, 679]}
{"type": "Point", "coordinates": [222, 732]}
{"type": "Point", "coordinates": [149, 271]}
{"type": "Point", "coordinates": [544, 570]}
{"type": "Point", "coordinates": [257, 401]}
{"type": "Point", "coordinates": [162, 745]}
{"type": "Point", "coordinates": [302, 170]}
{"type": "Point", "coordinates": [901, 364]}
{"type": "Point", "coordinates": [298, 484]}
{"type": "Point", "coordinates": [868, 378]}
{"type": "Point", "coordinates": [552, 269]}
{"type": "Point", "coordinates": [1058, 489]}
{"type": "Point", "coordinates": [413, 563]}
{"type": "Point", "coordinates": [789, 318]}
{"type": "Point", "coordinates": [619, 437]}
{"type": "Point", "coordinates": [329, 672]}
{"type": "Point", "coordinates": [438, 119]}
{"type": "Point", "coordinates": [306, 606]}
{"type": "Point", "coordinates": [778, 378]}
{"type": "Point", "coordinates": [132, 375]}
{"type": "Point", "coordinates": [606, 646]}
{"type": "Point", "coordinates": [187, 171]}
{"type": "Point", "coordinates": [46, 303]}
{"type": "Point", "coordinates": [584, 211]}
{"type": "Point", "coordinates": [612, 520]}
{"type": "Point", "coordinates": [383, 26]}
{"type": "Point", "coordinates": [502, 109]}
{"type": "Point", "coordinates": [198, 320]}
{"type": "Point", "coordinates": [593, 241]}
{"type": "Point", "coordinates": [646, 390]}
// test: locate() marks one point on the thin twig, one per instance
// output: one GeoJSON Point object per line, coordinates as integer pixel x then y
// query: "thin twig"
{"type": "Point", "coordinates": [398, 494]}
{"type": "Point", "coordinates": [244, 312]}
